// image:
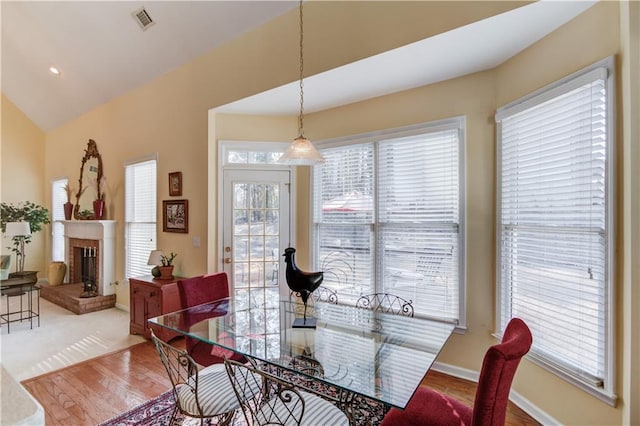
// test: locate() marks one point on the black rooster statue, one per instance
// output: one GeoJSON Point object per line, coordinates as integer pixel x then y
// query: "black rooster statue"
{"type": "Point", "coordinates": [303, 283]}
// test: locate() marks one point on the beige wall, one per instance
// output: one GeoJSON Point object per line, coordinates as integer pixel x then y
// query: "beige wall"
{"type": "Point", "coordinates": [23, 179]}
{"type": "Point", "coordinates": [170, 117]}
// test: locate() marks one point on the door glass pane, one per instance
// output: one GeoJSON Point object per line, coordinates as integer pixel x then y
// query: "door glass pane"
{"type": "Point", "coordinates": [256, 242]}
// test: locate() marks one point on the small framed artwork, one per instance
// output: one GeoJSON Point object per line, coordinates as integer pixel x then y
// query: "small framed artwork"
{"type": "Point", "coordinates": [175, 184]}
{"type": "Point", "coordinates": [175, 216]}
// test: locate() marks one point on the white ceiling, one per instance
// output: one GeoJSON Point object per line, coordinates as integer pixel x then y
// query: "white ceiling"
{"type": "Point", "coordinates": [85, 39]}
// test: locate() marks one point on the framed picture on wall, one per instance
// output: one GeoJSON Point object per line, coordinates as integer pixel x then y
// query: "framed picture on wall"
{"type": "Point", "coordinates": [175, 216]}
{"type": "Point", "coordinates": [175, 184]}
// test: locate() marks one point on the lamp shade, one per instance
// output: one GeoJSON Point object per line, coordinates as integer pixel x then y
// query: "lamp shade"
{"type": "Point", "coordinates": [155, 257]}
{"type": "Point", "coordinates": [301, 152]}
{"type": "Point", "coordinates": [18, 229]}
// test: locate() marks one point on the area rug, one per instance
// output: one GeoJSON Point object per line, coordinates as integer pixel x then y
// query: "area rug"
{"type": "Point", "coordinates": [157, 412]}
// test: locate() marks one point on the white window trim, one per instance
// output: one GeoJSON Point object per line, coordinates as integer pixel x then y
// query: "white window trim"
{"type": "Point", "coordinates": [606, 393]}
{"type": "Point", "coordinates": [458, 122]}
{"type": "Point", "coordinates": [224, 146]}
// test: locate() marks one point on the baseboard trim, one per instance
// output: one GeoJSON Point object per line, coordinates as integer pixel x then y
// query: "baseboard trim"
{"type": "Point", "coordinates": [122, 307]}
{"type": "Point", "coordinates": [523, 403]}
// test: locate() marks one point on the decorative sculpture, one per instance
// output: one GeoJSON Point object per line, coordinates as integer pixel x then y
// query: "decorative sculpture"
{"type": "Point", "coordinates": [304, 283]}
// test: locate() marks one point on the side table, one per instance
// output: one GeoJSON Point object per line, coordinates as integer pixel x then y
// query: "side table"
{"type": "Point", "coordinates": [21, 284]}
{"type": "Point", "coordinates": [150, 297]}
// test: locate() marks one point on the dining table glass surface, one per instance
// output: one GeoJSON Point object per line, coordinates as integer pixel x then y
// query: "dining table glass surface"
{"type": "Point", "coordinates": [378, 355]}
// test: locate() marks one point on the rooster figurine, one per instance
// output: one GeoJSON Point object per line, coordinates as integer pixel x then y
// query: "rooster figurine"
{"type": "Point", "coordinates": [303, 283]}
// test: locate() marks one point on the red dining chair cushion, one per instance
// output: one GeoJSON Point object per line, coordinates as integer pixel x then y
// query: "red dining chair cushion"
{"type": "Point", "coordinates": [203, 289]}
{"type": "Point", "coordinates": [428, 407]}
{"type": "Point", "coordinates": [196, 291]}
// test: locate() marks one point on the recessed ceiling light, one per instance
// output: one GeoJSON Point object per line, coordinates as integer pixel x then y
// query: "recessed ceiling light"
{"type": "Point", "coordinates": [54, 70]}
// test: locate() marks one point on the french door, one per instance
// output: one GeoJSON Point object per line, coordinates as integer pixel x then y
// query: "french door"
{"type": "Point", "coordinates": [256, 230]}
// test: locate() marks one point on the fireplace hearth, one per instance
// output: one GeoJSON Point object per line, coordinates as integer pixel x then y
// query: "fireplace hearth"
{"type": "Point", "coordinates": [68, 296]}
{"type": "Point", "coordinates": [90, 257]}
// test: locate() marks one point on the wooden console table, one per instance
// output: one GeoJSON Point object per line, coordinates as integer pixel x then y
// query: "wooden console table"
{"type": "Point", "coordinates": [151, 297]}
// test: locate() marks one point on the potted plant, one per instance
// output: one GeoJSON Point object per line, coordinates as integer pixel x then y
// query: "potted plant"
{"type": "Point", "coordinates": [37, 216]}
{"type": "Point", "coordinates": [166, 270]}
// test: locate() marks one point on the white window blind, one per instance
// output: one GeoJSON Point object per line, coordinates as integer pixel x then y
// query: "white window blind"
{"type": "Point", "coordinates": [387, 217]}
{"type": "Point", "coordinates": [140, 216]}
{"type": "Point", "coordinates": [343, 204]}
{"type": "Point", "coordinates": [554, 238]}
{"type": "Point", "coordinates": [58, 198]}
{"type": "Point", "coordinates": [418, 232]}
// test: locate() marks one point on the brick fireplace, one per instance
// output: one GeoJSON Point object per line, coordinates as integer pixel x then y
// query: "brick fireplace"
{"type": "Point", "coordinates": [77, 249]}
{"type": "Point", "coordinates": [95, 238]}
{"type": "Point", "coordinates": [98, 235]}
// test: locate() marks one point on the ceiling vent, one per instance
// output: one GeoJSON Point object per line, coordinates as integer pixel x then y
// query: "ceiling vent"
{"type": "Point", "coordinates": [143, 18]}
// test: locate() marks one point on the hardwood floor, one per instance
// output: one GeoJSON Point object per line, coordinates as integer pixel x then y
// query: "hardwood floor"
{"type": "Point", "coordinates": [98, 389]}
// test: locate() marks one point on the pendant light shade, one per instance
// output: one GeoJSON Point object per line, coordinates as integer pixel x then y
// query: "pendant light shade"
{"type": "Point", "coordinates": [301, 152]}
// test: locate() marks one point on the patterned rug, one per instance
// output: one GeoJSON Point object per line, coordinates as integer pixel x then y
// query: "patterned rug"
{"type": "Point", "coordinates": [157, 412]}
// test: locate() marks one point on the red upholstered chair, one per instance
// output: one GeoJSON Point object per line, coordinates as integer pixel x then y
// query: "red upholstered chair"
{"type": "Point", "coordinates": [428, 407]}
{"type": "Point", "coordinates": [196, 291]}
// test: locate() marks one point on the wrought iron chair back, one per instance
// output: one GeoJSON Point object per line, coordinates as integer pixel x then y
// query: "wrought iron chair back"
{"type": "Point", "coordinates": [322, 294]}
{"type": "Point", "coordinates": [387, 303]}
{"type": "Point", "coordinates": [264, 398]}
{"type": "Point", "coordinates": [325, 294]}
{"type": "Point", "coordinates": [197, 394]}
{"type": "Point", "coordinates": [267, 399]}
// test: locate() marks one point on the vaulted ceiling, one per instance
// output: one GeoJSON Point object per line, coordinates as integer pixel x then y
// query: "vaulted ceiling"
{"type": "Point", "coordinates": [86, 38]}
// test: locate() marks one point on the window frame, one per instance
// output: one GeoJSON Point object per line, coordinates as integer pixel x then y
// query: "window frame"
{"type": "Point", "coordinates": [56, 209]}
{"type": "Point", "coordinates": [606, 393]}
{"type": "Point", "coordinates": [133, 162]}
{"type": "Point", "coordinates": [459, 123]}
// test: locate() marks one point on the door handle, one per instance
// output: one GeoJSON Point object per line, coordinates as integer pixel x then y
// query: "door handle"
{"type": "Point", "coordinates": [227, 260]}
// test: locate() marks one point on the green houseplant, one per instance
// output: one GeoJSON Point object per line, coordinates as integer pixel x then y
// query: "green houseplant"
{"type": "Point", "coordinates": [36, 215]}
{"type": "Point", "coordinates": [166, 270]}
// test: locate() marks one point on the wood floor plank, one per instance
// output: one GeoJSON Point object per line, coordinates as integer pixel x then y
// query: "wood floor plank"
{"type": "Point", "coordinates": [48, 396]}
{"type": "Point", "coordinates": [87, 396]}
{"type": "Point", "coordinates": [98, 389]}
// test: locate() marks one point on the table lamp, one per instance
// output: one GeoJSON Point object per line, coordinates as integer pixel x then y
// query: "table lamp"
{"type": "Point", "coordinates": [155, 258]}
{"type": "Point", "coordinates": [18, 231]}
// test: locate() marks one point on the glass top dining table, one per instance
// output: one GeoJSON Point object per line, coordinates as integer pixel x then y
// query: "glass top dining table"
{"type": "Point", "coordinates": [381, 356]}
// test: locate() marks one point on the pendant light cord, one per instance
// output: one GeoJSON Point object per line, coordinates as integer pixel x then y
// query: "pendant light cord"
{"type": "Point", "coordinates": [300, 118]}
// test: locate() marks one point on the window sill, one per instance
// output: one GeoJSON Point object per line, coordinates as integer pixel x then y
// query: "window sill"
{"type": "Point", "coordinates": [598, 392]}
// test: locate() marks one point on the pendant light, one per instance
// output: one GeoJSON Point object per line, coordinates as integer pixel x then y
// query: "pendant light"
{"type": "Point", "coordinates": [301, 152]}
